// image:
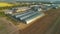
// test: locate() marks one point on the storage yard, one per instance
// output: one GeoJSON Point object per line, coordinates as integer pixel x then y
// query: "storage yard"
{"type": "Point", "coordinates": [43, 25]}
{"type": "Point", "coordinates": [35, 20]}
{"type": "Point", "coordinates": [27, 16]}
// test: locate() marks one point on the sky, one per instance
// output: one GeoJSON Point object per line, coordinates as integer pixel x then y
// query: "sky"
{"type": "Point", "coordinates": [29, 0]}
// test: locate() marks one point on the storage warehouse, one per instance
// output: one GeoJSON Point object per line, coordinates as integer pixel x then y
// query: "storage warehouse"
{"type": "Point", "coordinates": [29, 16]}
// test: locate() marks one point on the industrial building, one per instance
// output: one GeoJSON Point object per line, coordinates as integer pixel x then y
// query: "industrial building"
{"type": "Point", "coordinates": [28, 16]}
{"type": "Point", "coordinates": [31, 14]}
{"type": "Point", "coordinates": [36, 8]}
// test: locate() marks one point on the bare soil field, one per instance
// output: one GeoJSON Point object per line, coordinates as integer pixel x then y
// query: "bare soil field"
{"type": "Point", "coordinates": [6, 27]}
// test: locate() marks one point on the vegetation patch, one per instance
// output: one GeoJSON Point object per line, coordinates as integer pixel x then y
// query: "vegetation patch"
{"type": "Point", "coordinates": [2, 14]}
{"type": "Point", "coordinates": [12, 20]}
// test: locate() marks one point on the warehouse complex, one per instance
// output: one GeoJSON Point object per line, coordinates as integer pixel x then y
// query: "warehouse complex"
{"type": "Point", "coordinates": [30, 18]}
{"type": "Point", "coordinates": [29, 14]}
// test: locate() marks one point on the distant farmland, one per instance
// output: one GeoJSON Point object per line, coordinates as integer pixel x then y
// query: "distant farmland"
{"type": "Point", "coordinates": [4, 4]}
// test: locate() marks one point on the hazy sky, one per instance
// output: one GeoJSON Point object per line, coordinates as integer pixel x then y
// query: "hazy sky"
{"type": "Point", "coordinates": [29, 0]}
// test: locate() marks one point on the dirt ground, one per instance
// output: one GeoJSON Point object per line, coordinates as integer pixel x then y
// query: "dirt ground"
{"type": "Point", "coordinates": [6, 27]}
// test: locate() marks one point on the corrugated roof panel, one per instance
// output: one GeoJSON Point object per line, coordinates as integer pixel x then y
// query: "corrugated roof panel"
{"type": "Point", "coordinates": [24, 17]}
{"type": "Point", "coordinates": [24, 14]}
{"type": "Point", "coordinates": [32, 18]}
